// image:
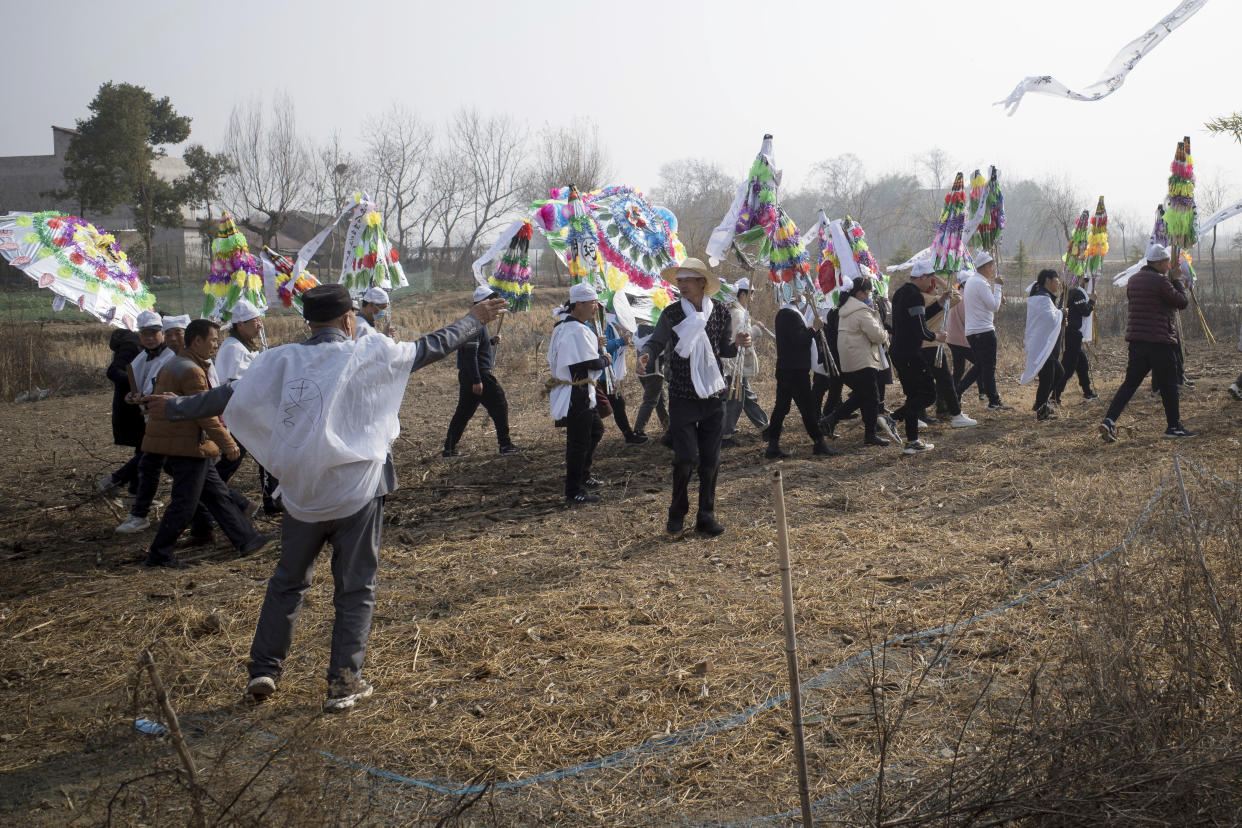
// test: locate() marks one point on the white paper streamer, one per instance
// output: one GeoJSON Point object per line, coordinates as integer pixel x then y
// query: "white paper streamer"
{"type": "Point", "coordinates": [309, 249]}
{"type": "Point", "coordinates": [1115, 73]}
{"type": "Point", "coordinates": [501, 242]}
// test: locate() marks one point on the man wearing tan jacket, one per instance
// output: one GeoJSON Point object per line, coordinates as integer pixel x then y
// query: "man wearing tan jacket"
{"type": "Point", "coordinates": [189, 449]}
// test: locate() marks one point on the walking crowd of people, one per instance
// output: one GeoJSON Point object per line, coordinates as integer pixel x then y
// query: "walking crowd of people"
{"type": "Point", "coordinates": [319, 417]}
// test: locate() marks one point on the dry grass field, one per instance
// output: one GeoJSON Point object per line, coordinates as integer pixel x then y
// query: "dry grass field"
{"type": "Point", "coordinates": [540, 665]}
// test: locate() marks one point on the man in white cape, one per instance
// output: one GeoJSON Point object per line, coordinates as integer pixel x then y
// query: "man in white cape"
{"type": "Point", "coordinates": [321, 416]}
{"type": "Point", "coordinates": [576, 358]}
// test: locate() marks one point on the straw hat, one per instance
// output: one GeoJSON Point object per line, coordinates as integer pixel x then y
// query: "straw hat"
{"type": "Point", "coordinates": [699, 268]}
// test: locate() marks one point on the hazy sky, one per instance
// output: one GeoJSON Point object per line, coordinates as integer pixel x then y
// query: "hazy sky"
{"type": "Point", "coordinates": [884, 79]}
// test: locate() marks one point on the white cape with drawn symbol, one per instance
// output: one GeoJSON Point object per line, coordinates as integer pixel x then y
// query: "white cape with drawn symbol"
{"type": "Point", "coordinates": [1115, 73]}
{"type": "Point", "coordinates": [321, 418]}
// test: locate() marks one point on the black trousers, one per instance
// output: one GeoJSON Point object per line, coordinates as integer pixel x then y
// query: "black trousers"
{"type": "Point", "coordinates": [946, 391]}
{"type": "Point", "coordinates": [1051, 377]}
{"type": "Point", "coordinates": [127, 475]}
{"type": "Point", "coordinates": [654, 400]}
{"type": "Point", "coordinates": [202, 523]}
{"type": "Point", "coordinates": [583, 430]}
{"type": "Point", "coordinates": [919, 387]}
{"type": "Point", "coordinates": [983, 348]}
{"type": "Point", "coordinates": [961, 356]}
{"type": "Point", "coordinates": [617, 403]}
{"type": "Point", "coordinates": [864, 396]}
{"type": "Point", "coordinates": [1074, 362]}
{"type": "Point", "coordinates": [831, 387]}
{"type": "Point", "coordinates": [195, 479]}
{"type": "Point", "coordinates": [794, 387]}
{"type": "Point", "coordinates": [1161, 361]}
{"type": "Point", "coordinates": [696, 428]}
{"type": "Point", "coordinates": [492, 399]}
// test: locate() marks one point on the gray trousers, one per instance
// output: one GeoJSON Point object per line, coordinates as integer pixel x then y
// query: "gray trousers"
{"type": "Point", "coordinates": [355, 558]}
{"type": "Point", "coordinates": [748, 402]}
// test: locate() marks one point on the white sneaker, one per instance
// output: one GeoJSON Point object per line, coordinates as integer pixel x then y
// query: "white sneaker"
{"type": "Point", "coordinates": [133, 524]}
{"type": "Point", "coordinates": [1235, 391]}
{"type": "Point", "coordinates": [105, 483]}
{"type": "Point", "coordinates": [962, 421]}
{"type": "Point", "coordinates": [922, 425]}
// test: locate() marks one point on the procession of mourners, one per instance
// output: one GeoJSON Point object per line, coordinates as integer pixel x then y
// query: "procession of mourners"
{"type": "Point", "coordinates": [898, 350]}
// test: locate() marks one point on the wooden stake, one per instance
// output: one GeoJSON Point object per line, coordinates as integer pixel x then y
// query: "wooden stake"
{"type": "Point", "coordinates": [147, 661]}
{"type": "Point", "coordinates": [791, 645]}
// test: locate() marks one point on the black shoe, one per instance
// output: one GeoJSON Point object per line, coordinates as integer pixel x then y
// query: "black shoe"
{"type": "Point", "coordinates": [1045, 412]}
{"type": "Point", "coordinates": [582, 499]}
{"type": "Point", "coordinates": [1089, 396]}
{"type": "Point", "coordinates": [824, 450]}
{"type": "Point", "coordinates": [592, 483]}
{"type": "Point", "coordinates": [874, 440]}
{"type": "Point", "coordinates": [729, 442]}
{"type": "Point", "coordinates": [260, 543]}
{"type": "Point", "coordinates": [999, 406]}
{"type": "Point", "coordinates": [1178, 431]}
{"type": "Point", "coordinates": [929, 420]}
{"type": "Point", "coordinates": [774, 452]}
{"type": "Point", "coordinates": [828, 425]}
{"type": "Point", "coordinates": [452, 452]}
{"type": "Point", "coordinates": [511, 449]}
{"type": "Point", "coordinates": [676, 525]}
{"type": "Point", "coordinates": [637, 440]}
{"type": "Point", "coordinates": [708, 525]}
{"type": "Point", "coordinates": [167, 563]}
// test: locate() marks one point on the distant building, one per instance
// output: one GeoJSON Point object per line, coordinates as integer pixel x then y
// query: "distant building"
{"type": "Point", "coordinates": [27, 180]}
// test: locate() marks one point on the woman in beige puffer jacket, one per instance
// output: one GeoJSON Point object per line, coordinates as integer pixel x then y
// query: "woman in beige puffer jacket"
{"type": "Point", "coordinates": [860, 341]}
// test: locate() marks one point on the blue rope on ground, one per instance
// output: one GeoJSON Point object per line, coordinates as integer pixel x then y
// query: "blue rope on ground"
{"type": "Point", "coordinates": [700, 731]}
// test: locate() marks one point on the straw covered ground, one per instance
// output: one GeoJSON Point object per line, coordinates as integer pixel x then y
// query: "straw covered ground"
{"type": "Point", "coordinates": [515, 639]}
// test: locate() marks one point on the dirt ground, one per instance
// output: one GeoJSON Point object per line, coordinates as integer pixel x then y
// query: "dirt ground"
{"type": "Point", "coordinates": [514, 637]}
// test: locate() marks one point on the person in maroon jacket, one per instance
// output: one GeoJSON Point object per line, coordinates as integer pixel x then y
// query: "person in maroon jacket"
{"type": "Point", "coordinates": [1154, 295]}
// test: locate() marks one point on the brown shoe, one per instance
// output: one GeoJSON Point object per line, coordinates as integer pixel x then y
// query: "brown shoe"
{"type": "Point", "coordinates": [191, 541]}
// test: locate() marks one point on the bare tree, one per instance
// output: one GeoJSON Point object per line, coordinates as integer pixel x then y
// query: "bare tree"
{"type": "Point", "coordinates": [1210, 197]}
{"type": "Point", "coordinates": [335, 181]}
{"type": "Point", "coordinates": [399, 152]}
{"type": "Point", "coordinates": [1060, 204]}
{"type": "Point", "coordinates": [452, 184]}
{"type": "Point", "coordinates": [491, 151]}
{"type": "Point", "coordinates": [699, 193]}
{"type": "Point", "coordinates": [937, 164]}
{"type": "Point", "coordinates": [568, 155]}
{"type": "Point", "coordinates": [272, 166]}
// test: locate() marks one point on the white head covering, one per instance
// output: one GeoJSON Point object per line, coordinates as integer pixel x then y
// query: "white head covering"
{"type": "Point", "coordinates": [181, 322]}
{"type": "Point", "coordinates": [742, 284]}
{"type": "Point", "coordinates": [482, 292]}
{"type": "Point", "coordinates": [376, 296]}
{"type": "Point", "coordinates": [582, 292]}
{"type": "Point", "coordinates": [244, 311]}
{"type": "Point", "coordinates": [1156, 252]}
{"type": "Point", "coordinates": [923, 267]}
{"type": "Point", "coordinates": [847, 284]}
{"type": "Point", "coordinates": [149, 319]}
{"type": "Point", "coordinates": [982, 258]}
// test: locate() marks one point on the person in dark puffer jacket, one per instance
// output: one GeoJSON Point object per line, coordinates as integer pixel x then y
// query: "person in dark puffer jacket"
{"type": "Point", "coordinates": [1155, 294]}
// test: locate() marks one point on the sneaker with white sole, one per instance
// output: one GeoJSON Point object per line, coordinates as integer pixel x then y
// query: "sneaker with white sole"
{"type": "Point", "coordinates": [105, 484]}
{"type": "Point", "coordinates": [342, 695]}
{"type": "Point", "coordinates": [922, 424]}
{"type": "Point", "coordinates": [133, 524]}
{"type": "Point", "coordinates": [1108, 431]}
{"type": "Point", "coordinates": [962, 421]}
{"type": "Point", "coordinates": [890, 427]}
{"type": "Point", "coordinates": [1177, 432]}
{"type": "Point", "coordinates": [1235, 391]}
{"type": "Point", "coordinates": [260, 687]}
{"type": "Point", "coordinates": [917, 447]}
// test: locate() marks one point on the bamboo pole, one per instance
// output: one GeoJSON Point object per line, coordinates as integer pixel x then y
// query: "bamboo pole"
{"type": "Point", "coordinates": [791, 646]}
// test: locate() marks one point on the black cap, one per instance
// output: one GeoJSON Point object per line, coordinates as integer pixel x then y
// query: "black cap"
{"type": "Point", "coordinates": [323, 303]}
